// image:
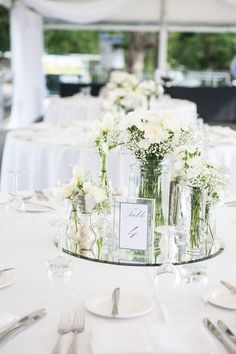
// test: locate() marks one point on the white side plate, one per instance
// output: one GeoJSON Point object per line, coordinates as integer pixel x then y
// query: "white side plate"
{"type": "Point", "coordinates": [130, 305]}
{"type": "Point", "coordinates": [222, 297]}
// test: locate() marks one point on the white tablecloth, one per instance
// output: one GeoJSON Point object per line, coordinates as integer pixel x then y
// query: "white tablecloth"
{"type": "Point", "coordinates": [47, 154]}
{"type": "Point", "coordinates": [183, 109]}
{"type": "Point", "coordinates": [27, 243]}
{"type": "Point", "coordinates": [78, 107]}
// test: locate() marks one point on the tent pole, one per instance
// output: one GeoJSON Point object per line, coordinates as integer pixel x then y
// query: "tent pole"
{"type": "Point", "coordinates": [162, 50]}
{"type": "Point", "coordinates": [163, 40]}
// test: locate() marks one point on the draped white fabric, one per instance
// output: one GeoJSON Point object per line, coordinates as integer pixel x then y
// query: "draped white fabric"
{"type": "Point", "coordinates": [28, 80]}
{"type": "Point", "coordinates": [85, 12]}
{"type": "Point", "coordinates": [231, 4]}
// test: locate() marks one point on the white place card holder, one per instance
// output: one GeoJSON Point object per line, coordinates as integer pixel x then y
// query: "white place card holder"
{"type": "Point", "coordinates": [134, 230]}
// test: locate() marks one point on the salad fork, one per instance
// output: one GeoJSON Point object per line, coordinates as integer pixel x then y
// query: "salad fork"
{"type": "Point", "coordinates": [77, 327]}
{"type": "Point", "coordinates": [63, 328]}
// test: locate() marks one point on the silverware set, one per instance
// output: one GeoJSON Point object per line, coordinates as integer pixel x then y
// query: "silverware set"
{"type": "Point", "coordinates": [20, 325]}
{"type": "Point", "coordinates": [223, 334]}
{"type": "Point", "coordinates": [70, 323]}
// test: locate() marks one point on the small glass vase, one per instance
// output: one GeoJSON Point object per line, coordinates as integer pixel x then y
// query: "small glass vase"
{"type": "Point", "coordinates": [210, 225]}
{"type": "Point", "coordinates": [195, 235]}
{"type": "Point", "coordinates": [179, 210]}
{"type": "Point", "coordinates": [103, 177]}
{"type": "Point", "coordinates": [73, 228]}
{"type": "Point", "coordinates": [86, 236]}
{"type": "Point", "coordinates": [152, 181]}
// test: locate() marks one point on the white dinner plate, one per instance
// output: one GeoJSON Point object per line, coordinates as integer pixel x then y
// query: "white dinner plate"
{"type": "Point", "coordinates": [222, 297]}
{"type": "Point", "coordinates": [130, 305]}
{"type": "Point", "coordinates": [7, 278]}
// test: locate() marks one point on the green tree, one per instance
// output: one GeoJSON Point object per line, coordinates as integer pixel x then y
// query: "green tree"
{"type": "Point", "coordinates": [4, 30]}
{"type": "Point", "coordinates": [199, 51]}
{"type": "Point", "coordinates": [65, 42]}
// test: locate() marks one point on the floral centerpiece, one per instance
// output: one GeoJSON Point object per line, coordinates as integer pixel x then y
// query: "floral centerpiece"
{"type": "Point", "coordinates": [83, 192]}
{"type": "Point", "coordinates": [86, 197]}
{"type": "Point", "coordinates": [121, 79]}
{"type": "Point", "coordinates": [104, 136]}
{"type": "Point", "coordinates": [149, 89]}
{"type": "Point", "coordinates": [123, 99]}
{"type": "Point", "coordinates": [208, 183]}
{"type": "Point", "coordinates": [151, 137]}
{"type": "Point", "coordinates": [121, 93]}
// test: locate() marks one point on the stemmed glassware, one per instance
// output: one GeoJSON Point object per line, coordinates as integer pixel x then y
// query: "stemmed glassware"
{"type": "Point", "coordinates": [167, 272]}
{"type": "Point", "coordinates": [60, 266]}
{"type": "Point", "coordinates": [15, 202]}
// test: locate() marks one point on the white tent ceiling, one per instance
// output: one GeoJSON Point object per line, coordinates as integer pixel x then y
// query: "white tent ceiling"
{"type": "Point", "coordinates": [178, 15]}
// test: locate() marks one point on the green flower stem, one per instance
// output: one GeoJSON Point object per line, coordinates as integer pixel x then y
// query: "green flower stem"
{"type": "Point", "coordinates": [196, 219]}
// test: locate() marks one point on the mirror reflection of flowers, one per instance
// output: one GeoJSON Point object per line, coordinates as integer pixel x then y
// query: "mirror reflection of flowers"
{"type": "Point", "coordinates": [104, 136]}
{"type": "Point", "coordinates": [84, 192]}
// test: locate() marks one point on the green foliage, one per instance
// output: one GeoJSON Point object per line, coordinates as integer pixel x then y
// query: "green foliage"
{"type": "Point", "coordinates": [199, 51]}
{"type": "Point", "coordinates": [4, 30]}
{"type": "Point", "coordinates": [66, 42]}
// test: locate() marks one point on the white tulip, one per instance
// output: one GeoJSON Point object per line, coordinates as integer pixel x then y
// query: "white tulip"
{"type": "Point", "coordinates": [78, 172]}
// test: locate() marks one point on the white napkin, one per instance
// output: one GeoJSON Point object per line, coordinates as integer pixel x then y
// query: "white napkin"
{"type": "Point", "coordinates": [120, 339]}
{"type": "Point", "coordinates": [159, 339]}
{"type": "Point", "coordinates": [6, 319]}
{"type": "Point", "coordinates": [182, 338]}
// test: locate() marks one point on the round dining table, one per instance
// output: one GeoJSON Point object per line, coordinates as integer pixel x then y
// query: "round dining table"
{"type": "Point", "coordinates": [27, 243]}
{"type": "Point", "coordinates": [46, 154]}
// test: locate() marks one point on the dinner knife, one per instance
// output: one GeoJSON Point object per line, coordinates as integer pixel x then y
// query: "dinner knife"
{"type": "Point", "coordinates": [21, 324]}
{"type": "Point", "coordinates": [228, 286]}
{"type": "Point", "coordinates": [227, 331]}
{"type": "Point", "coordinates": [212, 328]}
{"type": "Point", "coordinates": [115, 300]}
{"type": "Point", "coordinates": [6, 270]}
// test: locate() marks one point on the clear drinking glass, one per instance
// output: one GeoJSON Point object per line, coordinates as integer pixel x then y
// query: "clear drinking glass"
{"type": "Point", "coordinates": [60, 266]}
{"type": "Point", "coordinates": [15, 202]}
{"type": "Point", "coordinates": [167, 275]}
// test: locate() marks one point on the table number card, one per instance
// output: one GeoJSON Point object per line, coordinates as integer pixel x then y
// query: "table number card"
{"type": "Point", "coordinates": [133, 228]}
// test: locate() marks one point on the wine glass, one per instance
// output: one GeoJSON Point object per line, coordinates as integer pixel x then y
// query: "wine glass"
{"type": "Point", "coordinates": [167, 274]}
{"type": "Point", "coordinates": [15, 202]}
{"type": "Point", "coordinates": [60, 266]}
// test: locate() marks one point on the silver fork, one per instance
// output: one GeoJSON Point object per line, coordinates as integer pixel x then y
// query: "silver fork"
{"type": "Point", "coordinates": [63, 328]}
{"type": "Point", "coordinates": [77, 327]}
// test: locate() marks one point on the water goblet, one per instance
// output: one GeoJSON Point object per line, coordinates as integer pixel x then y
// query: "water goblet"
{"type": "Point", "coordinates": [167, 275]}
{"type": "Point", "coordinates": [60, 266]}
{"type": "Point", "coordinates": [15, 202]}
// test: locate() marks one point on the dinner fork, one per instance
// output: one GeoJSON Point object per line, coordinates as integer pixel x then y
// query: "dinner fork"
{"type": "Point", "coordinates": [77, 327]}
{"type": "Point", "coordinates": [63, 328]}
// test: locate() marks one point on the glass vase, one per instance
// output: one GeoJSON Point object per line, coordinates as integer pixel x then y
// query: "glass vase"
{"type": "Point", "coordinates": [210, 225]}
{"type": "Point", "coordinates": [152, 181]}
{"type": "Point", "coordinates": [103, 177]}
{"type": "Point", "coordinates": [73, 228]}
{"type": "Point", "coordinates": [179, 210]}
{"type": "Point", "coordinates": [195, 235]}
{"type": "Point", "coordinates": [86, 236]}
